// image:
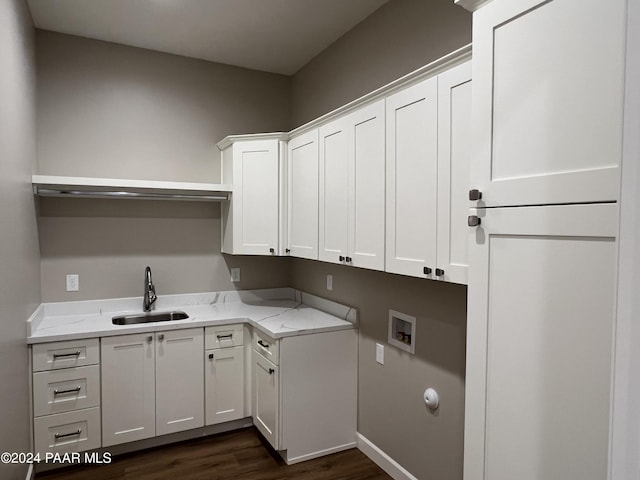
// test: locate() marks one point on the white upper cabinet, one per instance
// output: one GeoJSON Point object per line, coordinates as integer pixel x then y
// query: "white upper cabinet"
{"type": "Point", "coordinates": [352, 182]}
{"type": "Point", "coordinates": [366, 199]}
{"type": "Point", "coordinates": [251, 219]}
{"type": "Point", "coordinates": [548, 98]}
{"type": "Point", "coordinates": [302, 162]}
{"type": "Point", "coordinates": [335, 157]}
{"type": "Point", "coordinates": [411, 178]}
{"type": "Point", "coordinates": [454, 154]}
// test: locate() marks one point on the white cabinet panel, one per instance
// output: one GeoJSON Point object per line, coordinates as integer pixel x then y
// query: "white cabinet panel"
{"type": "Point", "coordinates": [58, 391]}
{"type": "Point", "coordinates": [179, 380]}
{"type": "Point", "coordinates": [366, 199]}
{"type": "Point", "coordinates": [251, 219]}
{"type": "Point", "coordinates": [352, 202]}
{"type": "Point", "coordinates": [334, 190]}
{"type": "Point", "coordinates": [302, 159]}
{"type": "Point", "coordinates": [223, 336]}
{"type": "Point", "coordinates": [224, 384]}
{"type": "Point", "coordinates": [74, 431]}
{"type": "Point", "coordinates": [319, 393]}
{"type": "Point", "coordinates": [412, 149]}
{"type": "Point", "coordinates": [70, 353]}
{"type": "Point", "coordinates": [539, 343]}
{"type": "Point", "coordinates": [454, 154]}
{"type": "Point", "coordinates": [128, 388]}
{"type": "Point", "coordinates": [548, 93]}
{"type": "Point", "coordinates": [266, 398]}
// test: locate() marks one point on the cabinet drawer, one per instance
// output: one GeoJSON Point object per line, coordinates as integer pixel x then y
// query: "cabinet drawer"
{"type": "Point", "coordinates": [68, 432]}
{"type": "Point", "coordinates": [64, 390]}
{"type": "Point", "coordinates": [72, 353]}
{"type": "Point", "coordinates": [266, 346]}
{"type": "Point", "coordinates": [223, 336]}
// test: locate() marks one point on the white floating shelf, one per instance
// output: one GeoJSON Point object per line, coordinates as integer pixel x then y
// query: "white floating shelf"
{"type": "Point", "coordinates": [84, 187]}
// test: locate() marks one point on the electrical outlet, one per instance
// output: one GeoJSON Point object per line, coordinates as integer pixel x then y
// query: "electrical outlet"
{"type": "Point", "coordinates": [380, 353]}
{"type": "Point", "coordinates": [235, 275]}
{"type": "Point", "coordinates": [73, 283]}
{"type": "Point", "coordinates": [329, 282]}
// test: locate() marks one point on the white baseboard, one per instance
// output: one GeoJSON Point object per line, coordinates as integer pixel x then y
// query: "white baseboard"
{"type": "Point", "coordinates": [29, 472]}
{"type": "Point", "coordinates": [321, 453]}
{"type": "Point", "coordinates": [384, 461]}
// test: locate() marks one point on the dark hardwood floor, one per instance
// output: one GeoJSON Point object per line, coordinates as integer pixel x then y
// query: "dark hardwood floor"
{"type": "Point", "coordinates": [238, 455]}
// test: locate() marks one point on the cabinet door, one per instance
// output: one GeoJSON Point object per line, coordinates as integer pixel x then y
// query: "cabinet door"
{"type": "Point", "coordinates": [539, 343]}
{"type": "Point", "coordinates": [454, 153]}
{"type": "Point", "coordinates": [367, 185]}
{"type": "Point", "coordinates": [128, 388]}
{"type": "Point", "coordinates": [334, 184]}
{"type": "Point", "coordinates": [256, 197]}
{"type": "Point", "coordinates": [303, 195]}
{"type": "Point", "coordinates": [179, 380]}
{"type": "Point", "coordinates": [224, 384]}
{"type": "Point", "coordinates": [547, 93]}
{"type": "Point", "coordinates": [412, 149]}
{"type": "Point", "coordinates": [265, 398]}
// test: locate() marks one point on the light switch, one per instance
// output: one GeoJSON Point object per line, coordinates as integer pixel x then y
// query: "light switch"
{"type": "Point", "coordinates": [380, 353]}
{"type": "Point", "coordinates": [235, 274]}
{"type": "Point", "coordinates": [73, 283]}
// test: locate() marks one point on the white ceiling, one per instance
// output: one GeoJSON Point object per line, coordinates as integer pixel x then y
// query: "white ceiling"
{"type": "Point", "coordinates": [277, 36]}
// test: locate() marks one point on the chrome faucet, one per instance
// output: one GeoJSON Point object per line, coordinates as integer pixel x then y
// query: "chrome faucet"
{"type": "Point", "coordinates": [149, 291]}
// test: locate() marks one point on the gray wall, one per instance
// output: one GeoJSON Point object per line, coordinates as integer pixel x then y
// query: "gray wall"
{"type": "Point", "coordinates": [107, 110]}
{"type": "Point", "coordinates": [19, 266]}
{"type": "Point", "coordinates": [109, 243]}
{"type": "Point", "coordinates": [400, 37]}
{"type": "Point", "coordinates": [391, 411]}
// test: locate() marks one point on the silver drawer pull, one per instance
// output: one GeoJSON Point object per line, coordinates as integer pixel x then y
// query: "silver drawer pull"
{"type": "Point", "coordinates": [61, 355]}
{"type": "Point", "coordinates": [71, 390]}
{"type": "Point", "coordinates": [262, 344]}
{"type": "Point", "coordinates": [220, 337]}
{"type": "Point", "coordinates": [72, 434]}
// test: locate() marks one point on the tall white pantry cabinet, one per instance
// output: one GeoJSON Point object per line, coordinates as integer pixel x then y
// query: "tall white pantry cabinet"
{"type": "Point", "coordinates": [548, 82]}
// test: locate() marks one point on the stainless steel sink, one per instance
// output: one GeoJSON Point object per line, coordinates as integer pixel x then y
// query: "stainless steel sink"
{"type": "Point", "coordinates": [149, 317]}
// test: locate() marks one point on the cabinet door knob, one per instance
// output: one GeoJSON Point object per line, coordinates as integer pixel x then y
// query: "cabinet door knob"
{"type": "Point", "coordinates": [349, 259]}
{"type": "Point", "coordinates": [272, 250]}
{"type": "Point", "coordinates": [211, 356]}
{"type": "Point", "coordinates": [287, 250]}
{"type": "Point", "coordinates": [341, 257]}
{"type": "Point", "coordinates": [473, 220]}
{"type": "Point", "coordinates": [262, 344]}
{"type": "Point", "coordinates": [439, 272]}
{"type": "Point", "coordinates": [475, 195]}
{"type": "Point", "coordinates": [149, 339]}
{"type": "Point", "coordinates": [427, 270]}
{"type": "Point", "coordinates": [161, 336]}
{"type": "Point", "coordinates": [271, 371]}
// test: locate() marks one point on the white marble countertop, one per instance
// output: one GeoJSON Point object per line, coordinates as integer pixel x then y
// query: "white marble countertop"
{"type": "Point", "coordinates": [278, 313]}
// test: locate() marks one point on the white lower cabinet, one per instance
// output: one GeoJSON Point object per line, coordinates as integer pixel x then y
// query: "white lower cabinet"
{"type": "Point", "coordinates": [302, 400]}
{"type": "Point", "coordinates": [265, 398]}
{"type": "Point", "coordinates": [179, 380]}
{"type": "Point", "coordinates": [73, 431]}
{"type": "Point", "coordinates": [224, 377]}
{"type": "Point", "coordinates": [66, 396]}
{"type": "Point", "coordinates": [305, 405]}
{"type": "Point", "coordinates": [153, 384]}
{"type": "Point", "coordinates": [128, 388]}
{"type": "Point", "coordinates": [541, 321]}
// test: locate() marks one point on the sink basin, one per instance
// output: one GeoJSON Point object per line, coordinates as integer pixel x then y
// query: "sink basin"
{"type": "Point", "coordinates": [149, 317]}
